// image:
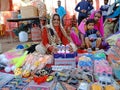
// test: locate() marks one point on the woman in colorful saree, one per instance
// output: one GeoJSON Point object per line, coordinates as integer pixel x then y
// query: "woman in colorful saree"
{"type": "Point", "coordinates": [97, 16]}
{"type": "Point", "coordinates": [55, 35]}
{"type": "Point", "coordinates": [70, 25]}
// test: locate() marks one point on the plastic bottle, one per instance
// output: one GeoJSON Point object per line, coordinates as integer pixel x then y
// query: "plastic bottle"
{"type": "Point", "coordinates": [23, 36]}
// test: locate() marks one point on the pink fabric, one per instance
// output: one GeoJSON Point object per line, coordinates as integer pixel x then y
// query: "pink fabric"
{"type": "Point", "coordinates": [102, 66]}
{"type": "Point", "coordinates": [98, 26]}
{"type": "Point", "coordinates": [75, 37]}
{"type": "Point", "coordinates": [81, 27]}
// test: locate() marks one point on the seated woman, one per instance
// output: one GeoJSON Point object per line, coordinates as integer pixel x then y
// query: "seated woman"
{"type": "Point", "coordinates": [53, 36]}
{"type": "Point", "coordinates": [72, 30]}
{"type": "Point", "coordinates": [92, 36]}
{"type": "Point", "coordinates": [97, 16]}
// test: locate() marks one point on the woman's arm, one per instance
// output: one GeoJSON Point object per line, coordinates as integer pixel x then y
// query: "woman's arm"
{"type": "Point", "coordinates": [82, 39]}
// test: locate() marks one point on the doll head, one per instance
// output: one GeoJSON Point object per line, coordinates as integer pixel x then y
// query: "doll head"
{"type": "Point", "coordinates": [18, 71]}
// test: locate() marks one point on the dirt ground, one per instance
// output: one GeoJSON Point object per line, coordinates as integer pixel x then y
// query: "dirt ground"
{"type": "Point", "coordinates": [7, 43]}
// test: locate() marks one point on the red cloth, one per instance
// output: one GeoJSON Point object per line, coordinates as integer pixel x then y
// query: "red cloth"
{"type": "Point", "coordinates": [45, 39]}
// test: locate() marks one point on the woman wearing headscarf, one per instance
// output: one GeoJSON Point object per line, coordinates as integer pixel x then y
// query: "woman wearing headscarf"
{"type": "Point", "coordinates": [72, 29]}
{"type": "Point", "coordinates": [97, 16]}
{"type": "Point", "coordinates": [55, 35]}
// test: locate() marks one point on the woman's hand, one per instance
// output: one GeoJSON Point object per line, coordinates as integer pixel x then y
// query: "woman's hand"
{"type": "Point", "coordinates": [70, 49]}
{"type": "Point", "coordinates": [54, 50]}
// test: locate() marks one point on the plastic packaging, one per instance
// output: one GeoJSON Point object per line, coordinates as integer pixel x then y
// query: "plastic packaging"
{"type": "Point", "coordinates": [23, 36]}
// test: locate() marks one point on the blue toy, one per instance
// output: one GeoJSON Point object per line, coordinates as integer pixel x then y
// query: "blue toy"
{"type": "Point", "coordinates": [20, 46]}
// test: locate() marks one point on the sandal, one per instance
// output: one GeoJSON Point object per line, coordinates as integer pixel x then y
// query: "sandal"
{"type": "Point", "coordinates": [73, 81]}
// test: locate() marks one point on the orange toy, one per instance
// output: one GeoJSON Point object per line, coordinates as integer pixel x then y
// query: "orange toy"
{"type": "Point", "coordinates": [96, 87]}
{"type": "Point", "coordinates": [109, 87]}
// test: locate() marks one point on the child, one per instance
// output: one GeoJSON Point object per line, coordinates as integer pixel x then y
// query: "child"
{"type": "Point", "coordinates": [92, 36]}
{"type": "Point", "coordinates": [104, 9]}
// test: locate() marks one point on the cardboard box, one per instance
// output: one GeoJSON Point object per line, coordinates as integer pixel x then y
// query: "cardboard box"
{"type": "Point", "coordinates": [28, 11]}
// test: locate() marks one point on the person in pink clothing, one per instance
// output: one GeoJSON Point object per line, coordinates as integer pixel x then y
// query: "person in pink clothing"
{"type": "Point", "coordinates": [97, 16]}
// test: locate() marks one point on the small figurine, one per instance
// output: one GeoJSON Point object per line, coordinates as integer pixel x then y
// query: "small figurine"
{"type": "Point", "coordinates": [18, 75]}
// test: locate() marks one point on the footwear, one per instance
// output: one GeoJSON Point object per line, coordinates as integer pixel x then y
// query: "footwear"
{"type": "Point", "coordinates": [83, 86]}
{"type": "Point", "coordinates": [63, 78]}
{"type": "Point", "coordinates": [50, 78]}
{"type": "Point", "coordinates": [96, 86]}
{"type": "Point", "coordinates": [73, 81]}
{"type": "Point", "coordinates": [109, 87]}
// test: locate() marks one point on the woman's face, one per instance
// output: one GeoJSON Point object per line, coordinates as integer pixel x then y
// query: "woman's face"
{"type": "Point", "coordinates": [43, 22]}
{"type": "Point", "coordinates": [64, 20]}
{"type": "Point", "coordinates": [56, 20]}
{"type": "Point", "coordinates": [97, 17]}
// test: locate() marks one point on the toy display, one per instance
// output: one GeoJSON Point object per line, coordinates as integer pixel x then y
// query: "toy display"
{"type": "Point", "coordinates": [5, 78]}
{"type": "Point", "coordinates": [101, 67]}
{"type": "Point", "coordinates": [84, 86]}
{"type": "Point", "coordinates": [14, 84]}
{"type": "Point", "coordinates": [43, 86]}
{"type": "Point", "coordinates": [116, 69]}
{"type": "Point", "coordinates": [19, 61]}
{"type": "Point", "coordinates": [85, 63]}
{"type": "Point", "coordinates": [63, 52]}
{"type": "Point", "coordinates": [63, 70]}
{"type": "Point", "coordinates": [96, 87]}
{"type": "Point", "coordinates": [109, 87]}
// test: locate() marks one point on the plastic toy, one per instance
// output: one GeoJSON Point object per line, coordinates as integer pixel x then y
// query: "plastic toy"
{"type": "Point", "coordinates": [101, 66]}
{"type": "Point", "coordinates": [19, 60]}
{"type": "Point", "coordinates": [96, 86]}
{"type": "Point", "coordinates": [84, 86]}
{"type": "Point", "coordinates": [105, 79]}
{"type": "Point", "coordinates": [50, 78]}
{"type": "Point", "coordinates": [7, 69]}
{"type": "Point", "coordinates": [100, 55]}
{"type": "Point", "coordinates": [20, 47]}
{"type": "Point", "coordinates": [40, 79]}
{"type": "Point", "coordinates": [109, 87]}
{"type": "Point", "coordinates": [26, 73]}
{"type": "Point", "coordinates": [2, 66]}
{"type": "Point", "coordinates": [18, 71]}
{"type": "Point", "coordinates": [73, 81]}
